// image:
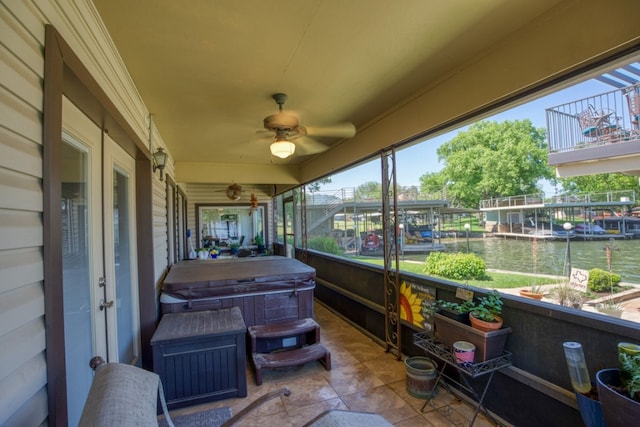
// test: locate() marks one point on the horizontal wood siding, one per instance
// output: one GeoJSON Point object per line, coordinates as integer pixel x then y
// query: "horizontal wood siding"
{"type": "Point", "coordinates": [23, 380]}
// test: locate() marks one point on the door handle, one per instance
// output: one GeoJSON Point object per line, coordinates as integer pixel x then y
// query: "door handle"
{"type": "Point", "coordinates": [103, 304]}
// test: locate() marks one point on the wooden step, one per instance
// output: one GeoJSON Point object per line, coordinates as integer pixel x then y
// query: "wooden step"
{"type": "Point", "coordinates": [306, 331]}
{"type": "Point", "coordinates": [284, 358]}
{"type": "Point", "coordinates": [285, 329]}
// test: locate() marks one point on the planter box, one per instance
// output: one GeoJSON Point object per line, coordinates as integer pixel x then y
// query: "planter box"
{"type": "Point", "coordinates": [454, 315]}
{"type": "Point", "coordinates": [488, 344]}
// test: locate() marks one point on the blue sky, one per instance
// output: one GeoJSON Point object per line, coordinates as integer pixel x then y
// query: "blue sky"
{"type": "Point", "coordinates": [415, 161]}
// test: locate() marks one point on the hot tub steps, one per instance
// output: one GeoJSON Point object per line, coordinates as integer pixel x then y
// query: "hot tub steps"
{"type": "Point", "coordinates": [300, 344]}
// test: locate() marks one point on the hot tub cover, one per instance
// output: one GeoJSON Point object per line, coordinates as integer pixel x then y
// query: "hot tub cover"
{"type": "Point", "coordinates": [198, 279]}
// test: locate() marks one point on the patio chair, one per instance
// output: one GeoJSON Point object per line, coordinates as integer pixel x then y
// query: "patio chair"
{"type": "Point", "coordinates": [599, 124]}
{"type": "Point", "coordinates": [409, 239]}
{"type": "Point", "coordinates": [419, 237]}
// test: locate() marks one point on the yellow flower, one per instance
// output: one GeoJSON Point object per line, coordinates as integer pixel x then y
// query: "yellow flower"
{"type": "Point", "coordinates": [410, 305]}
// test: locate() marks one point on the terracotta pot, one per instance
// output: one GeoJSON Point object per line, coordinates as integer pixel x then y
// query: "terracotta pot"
{"type": "Point", "coordinates": [485, 326]}
{"type": "Point", "coordinates": [530, 294]}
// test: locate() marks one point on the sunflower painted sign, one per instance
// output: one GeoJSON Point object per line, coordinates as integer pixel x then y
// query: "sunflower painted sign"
{"type": "Point", "coordinates": [415, 300]}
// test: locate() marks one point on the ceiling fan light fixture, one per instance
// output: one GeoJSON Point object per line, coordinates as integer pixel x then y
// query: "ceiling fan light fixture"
{"type": "Point", "coordinates": [283, 148]}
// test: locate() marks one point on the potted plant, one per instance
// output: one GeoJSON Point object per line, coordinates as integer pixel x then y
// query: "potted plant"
{"type": "Point", "coordinates": [455, 310]}
{"type": "Point", "coordinates": [259, 241]}
{"type": "Point", "coordinates": [619, 389]}
{"type": "Point", "coordinates": [485, 315]}
{"type": "Point", "coordinates": [214, 252]}
{"type": "Point", "coordinates": [233, 247]}
{"type": "Point", "coordinates": [488, 344]}
{"type": "Point", "coordinates": [534, 292]}
{"type": "Point", "coordinates": [203, 253]}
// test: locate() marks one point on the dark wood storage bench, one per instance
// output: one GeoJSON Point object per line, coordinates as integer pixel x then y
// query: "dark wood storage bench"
{"type": "Point", "coordinates": [201, 356]}
{"type": "Point", "coordinates": [270, 289]}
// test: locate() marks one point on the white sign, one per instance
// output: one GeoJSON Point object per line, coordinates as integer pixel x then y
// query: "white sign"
{"type": "Point", "coordinates": [578, 279]}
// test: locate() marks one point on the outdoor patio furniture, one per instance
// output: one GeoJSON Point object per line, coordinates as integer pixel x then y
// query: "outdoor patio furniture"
{"type": "Point", "coordinates": [419, 237]}
{"type": "Point", "coordinates": [597, 123]}
{"type": "Point", "coordinates": [409, 239]}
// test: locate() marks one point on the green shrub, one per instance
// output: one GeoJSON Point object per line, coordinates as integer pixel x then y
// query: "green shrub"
{"type": "Point", "coordinates": [602, 281]}
{"type": "Point", "coordinates": [457, 266]}
{"type": "Point", "coordinates": [325, 244]}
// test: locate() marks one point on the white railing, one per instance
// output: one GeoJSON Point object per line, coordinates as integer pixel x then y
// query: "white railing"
{"type": "Point", "coordinates": [513, 201]}
{"type": "Point", "coordinates": [610, 197]}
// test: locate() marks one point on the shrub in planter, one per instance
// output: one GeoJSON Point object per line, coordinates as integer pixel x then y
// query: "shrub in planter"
{"type": "Point", "coordinates": [457, 266]}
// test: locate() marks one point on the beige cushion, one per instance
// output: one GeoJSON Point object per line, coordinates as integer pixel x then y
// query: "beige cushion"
{"type": "Point", "coordinates": [121, 395]}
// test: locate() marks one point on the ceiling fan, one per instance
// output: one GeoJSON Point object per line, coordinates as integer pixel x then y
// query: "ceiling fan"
{"type": "Point", "coordinates": [234, 192]}
{"type": "Point", "coordinates": [286, 128]}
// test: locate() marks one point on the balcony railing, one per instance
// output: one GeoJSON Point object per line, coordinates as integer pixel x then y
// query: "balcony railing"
{"type": "Point", "coordinates": [513, 201]}
{"type": "Point", "coordinates": [611, 117]}
{"type": "Point", "coordinates": [626, 197]}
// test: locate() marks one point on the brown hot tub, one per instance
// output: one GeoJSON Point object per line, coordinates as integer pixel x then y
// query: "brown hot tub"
{"type": "Point", "coordinates": [268, 289]}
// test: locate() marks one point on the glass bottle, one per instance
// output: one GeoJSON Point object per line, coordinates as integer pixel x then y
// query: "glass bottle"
{"type": "Point", "coordinates": [577, 365]}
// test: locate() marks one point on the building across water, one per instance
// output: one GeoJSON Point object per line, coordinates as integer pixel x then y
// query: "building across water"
{"type": "Point", "coordinates": [590, 216]}
{"type": "Point", "coordinates": [356, 223]}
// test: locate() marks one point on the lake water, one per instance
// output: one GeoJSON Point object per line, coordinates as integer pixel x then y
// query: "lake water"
{"type": "Point", "coordinates": [518, 255]}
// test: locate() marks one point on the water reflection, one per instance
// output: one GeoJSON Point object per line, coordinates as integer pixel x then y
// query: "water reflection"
{"type": "Point", "coordinates": [518, 255]}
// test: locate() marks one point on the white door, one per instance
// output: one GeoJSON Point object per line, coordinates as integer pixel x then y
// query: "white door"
{"type": "Point", "coordinates": [120, 299]}
{"type": "Point", "coordinates": [98, 238]}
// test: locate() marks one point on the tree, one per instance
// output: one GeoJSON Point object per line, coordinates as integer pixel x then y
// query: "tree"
{"type": "Point", "coordinates": [600, 183]}
{"type": "Point", "coordinates": [370, 190]}
{"type": "Point", "coordinates": [433, 186]}
{"type": "Point", "coordinates": [314, 187]}
{"type": "Point", "coordinates": [410, 192]}
{"type": "Point", "coordinates": [490, 160]}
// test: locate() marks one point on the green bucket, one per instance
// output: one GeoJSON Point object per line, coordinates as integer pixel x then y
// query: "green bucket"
{"type": "Point", "coordinates": [422, 376]}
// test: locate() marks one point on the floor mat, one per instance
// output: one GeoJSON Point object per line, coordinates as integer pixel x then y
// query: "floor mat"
{"type": "Point", "coordinates": [208, 418]}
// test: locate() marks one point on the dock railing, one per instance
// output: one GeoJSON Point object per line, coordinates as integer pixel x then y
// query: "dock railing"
{"type": "Point", "coordinates": [512, 201]}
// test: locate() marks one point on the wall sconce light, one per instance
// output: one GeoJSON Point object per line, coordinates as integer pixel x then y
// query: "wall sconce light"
{"type": "Point", "coordinates": [159, 161]}
{"type": "Point", "coordinates": [283, 148]}
{"type": "Point", "coordinates": [159, 158]}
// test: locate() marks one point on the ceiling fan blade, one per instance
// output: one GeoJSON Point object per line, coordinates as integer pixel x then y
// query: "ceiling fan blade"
{"type": "Point", "coordinates": [340, 130]}
{"type": "Point", "coordinates": [306, 146]}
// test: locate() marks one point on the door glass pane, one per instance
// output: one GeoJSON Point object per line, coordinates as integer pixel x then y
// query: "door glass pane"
{"type": "Point", "coordinates": [171, 224]}
{"type": "Point", "coordinates": [288, 228]}
{"type": "Point", "coordinates": [223, 226]}
{"type": "Point", "coordinates": [76, 277]}
{"type": "Point", "coordinates": [122, 257]}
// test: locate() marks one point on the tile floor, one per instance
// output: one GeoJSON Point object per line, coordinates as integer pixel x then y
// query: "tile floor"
{"type": "Point", "coordinates": [363, 378]}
